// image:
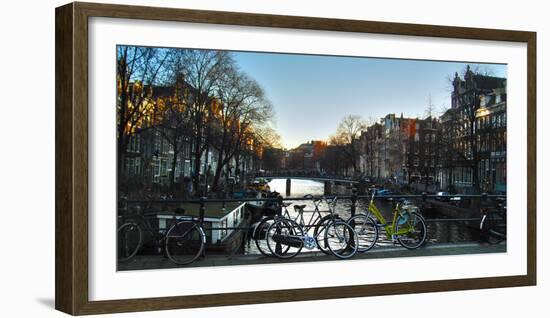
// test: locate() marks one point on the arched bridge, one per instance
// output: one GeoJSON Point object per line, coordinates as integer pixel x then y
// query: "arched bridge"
{"type": "Point", "coordinates": [327, 180]}
{"type": "Point", "coordinates": [314, 178]}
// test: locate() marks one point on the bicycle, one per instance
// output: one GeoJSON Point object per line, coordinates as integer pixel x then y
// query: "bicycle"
{"type": "Point", "coordinates": [181, 241]}
{"type": "Point", "coordinates": [260, 230]}
{"type": "Point", "coordinates": [407, 227]}
{"type": "Point", "coordinates": [493, 224]}
{"type": "Point", "coordinates": [331, 234]}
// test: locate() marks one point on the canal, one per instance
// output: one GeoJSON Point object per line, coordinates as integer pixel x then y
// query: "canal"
{"type": "Point", "coordinates": [438, 232]}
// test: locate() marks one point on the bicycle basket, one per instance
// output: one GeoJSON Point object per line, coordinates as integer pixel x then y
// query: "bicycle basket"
{"type": "Point", "coordinates": [405, 216]}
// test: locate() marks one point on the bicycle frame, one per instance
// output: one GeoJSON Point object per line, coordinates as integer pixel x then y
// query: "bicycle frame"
{"type": "Point", "coordinates": [306, 227]}
{"type": "Point", "coordinates": [496, 216]}
{"type": "Point", "coordinates": [143, 221]}
{"type": "Point", "coordinates": [390, 228]}
{"type": "Point", "coordinates": [311, 222]}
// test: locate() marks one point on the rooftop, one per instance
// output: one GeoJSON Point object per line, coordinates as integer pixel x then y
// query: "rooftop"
{"type": "Point", "coordinates": [213, 210]}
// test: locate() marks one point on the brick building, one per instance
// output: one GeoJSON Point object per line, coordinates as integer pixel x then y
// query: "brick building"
{"type": "Point", "coordinates": [474, 135]}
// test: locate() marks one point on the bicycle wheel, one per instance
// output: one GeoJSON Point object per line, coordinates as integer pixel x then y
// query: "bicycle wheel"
{"type": "Point", "coordinates": [366, 230]}
{"type": "Point", "coordinates": [341, 239]}
{"type": "Point", "coordinates": [494, 228]}
{"type": "Point", "coordinates": [185, 242]}
{"type": "Point", "coordinates": [259, 235]}
{"type": "Point", "coordinates": [410, 229]}
{"type": "Point", "coordinates": [319, 232]}
{"type": "Point", "coordinates": [129, 237]}
{"type": "Point", "coordinates": [284, 238]}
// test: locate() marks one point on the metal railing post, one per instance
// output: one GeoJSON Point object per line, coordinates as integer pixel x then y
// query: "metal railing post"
{"type": "Point", "coordinates": [278, 247]}
{"type": "Point", "coordinates": [279, 205]}
{"type": "Point", "coordinates": [484, 201]}
{"type": "Point", "coordinates": [223, 200]}
{"type": "Point", "coordinates": [202, 209]}
{"type": "Point", "coordinates": [484, 197]}
{"type": "Point", "coordinates": [352, 212]}
{"type": "Point", "coordinates": [353, 202]}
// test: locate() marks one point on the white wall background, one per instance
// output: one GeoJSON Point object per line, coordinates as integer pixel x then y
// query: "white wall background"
{"type": "Point", "coordinates": [27, 156]}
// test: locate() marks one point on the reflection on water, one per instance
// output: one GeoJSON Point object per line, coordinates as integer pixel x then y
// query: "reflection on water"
{"type": "Point", "coordinates": [299, 187]}
{"type": "Point", "coordinates": [438, 232]}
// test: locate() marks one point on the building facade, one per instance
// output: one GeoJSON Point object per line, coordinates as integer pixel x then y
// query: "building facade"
{"type": "Point", "coordinates": [423, 165]}
{"type": "Point", "coordinates": [491, 135]}
{"type": "Point", "coordinates": [474, 135]}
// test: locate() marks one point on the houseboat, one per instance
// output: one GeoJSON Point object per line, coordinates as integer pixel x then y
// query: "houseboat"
{"type": "Point", "coordinates": [224, 224]}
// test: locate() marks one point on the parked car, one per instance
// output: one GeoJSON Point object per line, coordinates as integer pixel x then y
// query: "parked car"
{"type": "Point", "coordinates": [455, 200]}
{"type": "Point", "coordinates": [384, 192]}
{"type": "Point", "coordinates": [442, 196]}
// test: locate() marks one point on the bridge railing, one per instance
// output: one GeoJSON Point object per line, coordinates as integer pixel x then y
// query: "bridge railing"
{"type": "Point", "coordinates": [202, 203]}
{"type": "Point", "coordinates": [295, 174]}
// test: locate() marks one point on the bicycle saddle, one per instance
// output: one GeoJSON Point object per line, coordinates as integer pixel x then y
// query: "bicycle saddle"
{"type": "Point", "coordinates": [287, 204]}
{"type": "Point", "coordinates": [299, 207]}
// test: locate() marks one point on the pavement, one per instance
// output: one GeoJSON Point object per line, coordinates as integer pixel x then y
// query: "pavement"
{"type": "Point", "coordinates": [141, 262]}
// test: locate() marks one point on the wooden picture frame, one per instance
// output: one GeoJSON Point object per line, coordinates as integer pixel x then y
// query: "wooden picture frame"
{"type": "Point", "coordinates": [71, 89]}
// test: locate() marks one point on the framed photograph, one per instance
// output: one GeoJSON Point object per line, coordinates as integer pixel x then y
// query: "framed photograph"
{"type": "Point", "coordinates": [211, 158]}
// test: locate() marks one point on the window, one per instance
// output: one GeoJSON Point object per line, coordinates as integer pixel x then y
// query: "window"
{"type": "Point", "coordinates": [163, 168]}
{"type": "Point", "coordinates": [137, 166]}
{"type": "Point", "coordinates": [127, 164]}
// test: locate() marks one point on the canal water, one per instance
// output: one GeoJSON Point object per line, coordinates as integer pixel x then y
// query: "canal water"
{"type": "Point", "coordinates": [438, 232]}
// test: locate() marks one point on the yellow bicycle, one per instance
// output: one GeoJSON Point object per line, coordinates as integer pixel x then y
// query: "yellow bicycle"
{"type": "Point", "coordinates": [408, 227]}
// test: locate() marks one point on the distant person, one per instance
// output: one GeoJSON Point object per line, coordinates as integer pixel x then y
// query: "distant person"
{"type": "Point", "coordinates": [187, 188]}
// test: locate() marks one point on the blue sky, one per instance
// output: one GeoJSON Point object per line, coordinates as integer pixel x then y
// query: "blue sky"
{"type": "Point", "coordinates": [311, 94]}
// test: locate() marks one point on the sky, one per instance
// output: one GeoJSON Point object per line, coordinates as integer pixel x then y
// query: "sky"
{"type": "Point", "coordinates": [312, 93]}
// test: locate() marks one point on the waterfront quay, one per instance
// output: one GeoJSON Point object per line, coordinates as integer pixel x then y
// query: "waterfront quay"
{"type": "Point", "coordinates": [430, 250]}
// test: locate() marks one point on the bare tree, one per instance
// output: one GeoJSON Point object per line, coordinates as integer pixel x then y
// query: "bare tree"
{"type": "Point", "coordinates": [237, 112]}
{"type": "Point", "coordinates": [203, 71]}
{"type": "Point", "coordinates": [174, 124]}
{"type": "Point", "coordinates": [253, 116]}
{"type": "Point", "coordinates": [138, 69]}
{"type": "Point", "coordinates": [430, 109]}
{"type": "Point", "coordinates": [347, 135]}
{"type": "Point", "coordinates": [267, 136]}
